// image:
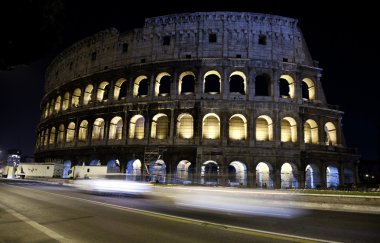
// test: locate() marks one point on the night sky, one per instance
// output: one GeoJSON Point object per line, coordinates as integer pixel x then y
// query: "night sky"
{"type": "Point", "coordinates": [342, 38]}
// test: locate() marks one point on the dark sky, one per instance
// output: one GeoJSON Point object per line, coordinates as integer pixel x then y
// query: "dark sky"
{"type": "Point", "coordinates": [343, 38]}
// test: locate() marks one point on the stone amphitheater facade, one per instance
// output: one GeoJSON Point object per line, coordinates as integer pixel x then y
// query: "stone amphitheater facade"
{"type": "Point", "coordinates": [222, 97]}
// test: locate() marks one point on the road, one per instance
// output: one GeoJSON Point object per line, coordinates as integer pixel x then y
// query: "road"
{"type": "Point", "coordinates": [39, 212]}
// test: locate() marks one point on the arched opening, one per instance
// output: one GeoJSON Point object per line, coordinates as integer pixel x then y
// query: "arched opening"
{"type": "Point", "coordinates": [120, 89]}
{"type": "Point", "coordinates": [95, 162]}
{"type": "Point", "coordinates": [186, 83]}
{"type": "Point", "coordinates": [51, 107]}
{"type": "Point", "coordinates": [286, 86]}
{"type": "Point", "coordinates": [53, 133]}
{"type": "Point", "coordinates": [209, 173]}
{"type": "Point", "coordinates": [57, 107]}
{"type": "Point", "coordinates": [311, 132]}
{"type": "Point", "coordinates": [237, 127]}
{"type": "Point", "coordinates": [61, 133]}
{"type": "Point", "coordinates": [98, 129]}
{"type": "Point", "coordinates": [133, 170]}
{"type": "Point", "coordinates": [264, 128]}
{"type": "Point", "coordinates": [262, 85]}
{"type": "Point", "coordinates": [264, 175]}
{"type": "Point", "coordinates": [348, 176]}
{"type": "Point", "coordinates": [82, 136]}
{"type": "Point", "coordinates": [237, 174]}
{"type": "Point", "coordinates": [46, 138]}
{"type": "Point", "coordinates": [116, 128]}
{"type": "Point", "coordinates": [140, 86]}
{"type": "Point", "coordinates": [160, 126]}
{"type": "Point", "coordinates": [70, 132]}
{"type": "Point", "coordinates": [185, 126]}
{"type": "Point", "coordinates": [46, 110]}
{"type": "Point", "coordinates": [103, 92]}
{"type": "Point", "coordinates": [87, 98]}
{"type": "Point", "coordinates": [66, 168]}
{"type": "Point", "coordinates": [238, 82]}
{"type": "Point", "coordinates": [76, 97]}
{"type": "Point", "coordinates": [332, 177]}
{"type": "Point", "coordinates": [312, 179]}
{"type": "Point", "coordinates": [66, 99]}
{"type": "Point", "coordinates": [136, 127]}
{"type": "Point", "coordinates": [162, 86]}
{"type": "Point", "coordinates": [113, 166]}
{"type": "Point", "coordinates": [330, 132]}
{"type": "Point", "coordinates": [288, 130]}
{"type": "Point", "coordinates": [211, 84]}
{"type": "Point", "coordinates": [211, 126]}
{"type": "Point", "coordinates": [183, 171]}
{"type": "Point", "coordinates": [157, 171]}
{"type": "Point", "coordinates": [308, 89]}
{"type": "Point", "coordinates": [289, 175]}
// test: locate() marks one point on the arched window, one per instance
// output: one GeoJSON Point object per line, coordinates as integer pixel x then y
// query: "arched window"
{"type": "Point", "coordinates": [330, 132]}
{"type": "Point", "coordinates": [288, 130]}
{"type": "Point", "coordinates": [87, 98]}
{"type": "Point", "coordinates": [98, 129]}
{"type": "Point", "coordinates": [116, 128]}
{"type": "Point", "coordinates": [289, 176]}
{"type": "Point", "coordinates": [237, 127]}
{"type": "Point", "coordinates": [140, 87]}
{"type": "Point", "coordinates": [51, 107]}
{"type": "Point", "coordinates": [53, 133]}
{"type": "Point", "coordinates": [211, 84]}
{"type": "Point", "coordinates": [136, 127]}
{"type": "Point", "coordinates": [66, 99]}
{"type": "Point", "coordinates": [211, 126]}
{"type": "Point", "coordinates": [162, 86]}
{"type": "Point", "coordinates": [76, 97]}
{"type": "Point", "coordinates": [311, 132]}
{"type": "Point", "coordinates": [186, 83]}
{"type": "Point", "coordinates": [262, 85]}
{"type": "Point", "coordinates": [308, 89]}
{"type": "Point", "coordinates": [46, 110]}
{"type": "Point", "coordinates": [103, 91]}
{"type": "Point", "coordinates": [57, 107]}
{"type": "Point", "coordinates": [160, 126]}
{"type": "Point", "coordinates": [185, 126]}
{"type": "Point", "coordinates": [61, 133]}
{"type": "Point", "coordinates": [70, 132]}
{"type": "Point", "coordinates": [286, 86]}
{"type": "Point", "coordinates": [238, 82]}
{"type": "Point", "coordinates": [120, 91]}
{"type": "Point", "coordinates": [82, 136]}
{"type": "Point", "coordinates": [264, 128]}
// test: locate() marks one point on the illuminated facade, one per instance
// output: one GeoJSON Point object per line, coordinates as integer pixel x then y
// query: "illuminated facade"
{"type": "Point", "coordinates": [230, 99]}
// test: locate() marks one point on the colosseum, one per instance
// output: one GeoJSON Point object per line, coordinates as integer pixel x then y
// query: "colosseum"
{"type": "Point", "coordinates": [214, 98]}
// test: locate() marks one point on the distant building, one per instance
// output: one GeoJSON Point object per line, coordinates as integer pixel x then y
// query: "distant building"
{"type": "Point", "coordinates": [224, 98]}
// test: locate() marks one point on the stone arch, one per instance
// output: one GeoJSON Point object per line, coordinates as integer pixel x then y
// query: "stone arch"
{"type": "Point", "coordinates": [308, 89]}
{"type": "Point", "coordinates": [113, 166]}
{"type": "Point", "coordinates": [160, 126]}
{"type": "Point", "coordinates": [136, 127]}
{"type": "Point", "coordinates": [116, 128]}
{"type": "Point", "coordinates": [98, 129]}
{"type": "Point", "coordinates": [120, 89]}
{"type": "Point", "coordinates": [288, 130]}
{"type": "Point", "coordinates": [70, 132]}
{"type": "Point", "coordinates": [61, 134]}
{"type": "Point", "coordinates": [262, 85]}
{"type": "Point", "coordinates": [140, 86]}
{"type": "Point", "coordinates": [264, 175]}
{"type": "Point", "coordinates": [311, 132]}
{"type": "Point", "coordinates": [46, 110]}
{"type": "Point", "coordinates": [46, 137]}
{"type": "Point", "coordinates": [103, 91]}
{"type": "Point", "coordinates": [332, 177]}
{"type": "Point", "coordinates": [312, 177]}
{"type": "Point", "coordinates": [57, 107]}
{"type": "Point", "coordinates": [163, 84]}
{"type": "Point", "coordinates": [330, 132]}
{"type": "Point", "coordinates": [65, 102]}
{"type": "Point", "coordinates": [287, 86]}
{"type": "Point", "coordinates": [238, 82]}
{"type": "Point", "coordinates": [237, 127]}
{"type": "Point", "coordinates": [51, 107]}
{"type": "Point", "coordinates": [182, 172]}
{"type": "Point", "coordinates": [157, 171]}
{"type": "Point", "coordinates": [95, 162]}
{"type": "Point", "coordinates": [185, 126]}
{"type": "Point", "coordinates": [289, 176]}
{"type": "Point", "coordinates": [53, 133]}
{"type": "Point", "coordinates": [210, 173]}
{"type": "Point", "coordinates": [83, 127]}
{"type": "Point", "coordinates": [186, 83]}
{"type": "Point", "coordinates": [264, 128]}
{"type": "Point", "coordinates": [133, 170]}
{"type": "Point", "coordinates": [66, 168]}
{"type": "Point", "coordinates": [76, 97]}
{"type": "Point", "coordinates": [87, 96]}
{"type": "Point", "coordinates": [237, 174]}
{"type": "Point", "coordinates": [212, 82]}
{"type": "Point", "coordinates": [211, 126]}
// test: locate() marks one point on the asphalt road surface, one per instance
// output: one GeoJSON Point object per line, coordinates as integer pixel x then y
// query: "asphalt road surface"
{"type": "Point", "coordinates": [39, 212]}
